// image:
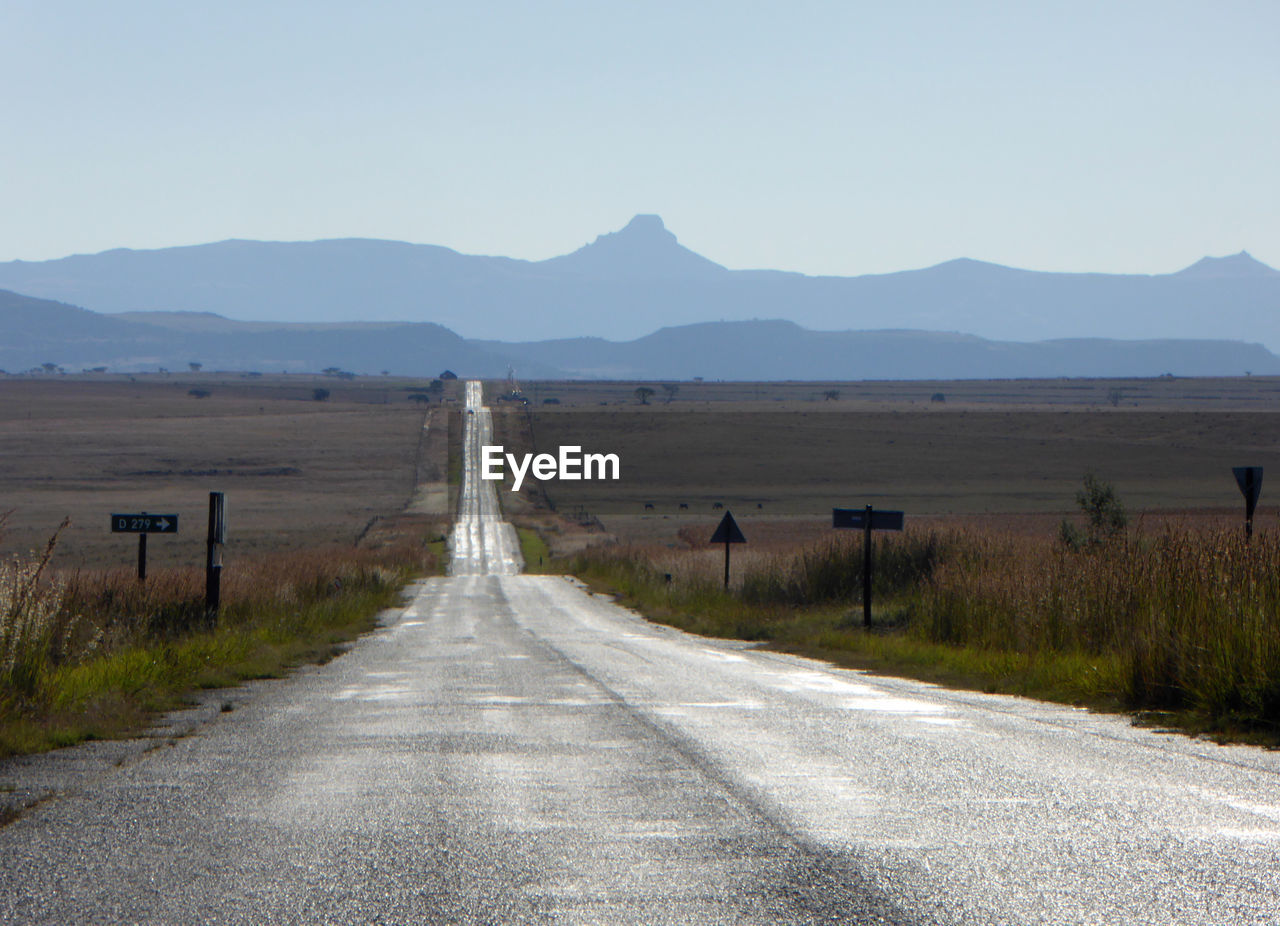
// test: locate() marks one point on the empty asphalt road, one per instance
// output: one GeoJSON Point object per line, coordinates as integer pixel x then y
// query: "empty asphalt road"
{"type": "Point", "coordinates": [513, 749]}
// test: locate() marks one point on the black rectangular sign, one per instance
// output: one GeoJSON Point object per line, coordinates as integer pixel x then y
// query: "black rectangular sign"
{"type": "Point", "coordinates": [856, 518]}
{"type": "Point", "coordinates": [144, 523]}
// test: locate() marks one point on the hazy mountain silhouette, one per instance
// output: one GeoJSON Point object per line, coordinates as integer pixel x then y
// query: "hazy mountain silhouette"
{"type": "Point", "coordinates": [782, 350]}
{"type": "Point", "coordinates": [36, 331]}
{"type": "Point", "coordinates": [639, 279]}
{"type": "Point", "coordinates": [1234, 267]}
{"type": "Point", "coordinates": [644, 249]}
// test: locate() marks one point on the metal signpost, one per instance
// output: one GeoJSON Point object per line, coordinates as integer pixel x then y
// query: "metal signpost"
{"type": "Point", "coordinates": [1249, 479]}
{"type": "Point", "coordinates": [727, 533]}
{"type": "Point", "coordinates": [143, 524]}
{"type": "Point", "coordinates": [868, 520]}
{"type": "Point", "coordinates": [213, 557]}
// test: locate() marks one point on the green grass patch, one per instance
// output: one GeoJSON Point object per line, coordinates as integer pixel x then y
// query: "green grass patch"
{"type": "Point", "coordinates": [97, 655]}
{"type": "Point", "coordinates": [438, 547]}
{"type": "Point", "coordinates": [534, 549]}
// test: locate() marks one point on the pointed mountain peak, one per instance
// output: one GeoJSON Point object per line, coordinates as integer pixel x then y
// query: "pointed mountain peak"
{"type": "Point", "coordinates": [642, 249]}
{"type": "Point", "coordinates": [1236, 266]}
{"type": "Point", "coordinates": [649, 226]}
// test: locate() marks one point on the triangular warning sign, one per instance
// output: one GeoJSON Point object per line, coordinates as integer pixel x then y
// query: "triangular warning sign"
{"type": "Point", "coordinates": [728, 531]}
{"type": "Point", "coordinates": [1249, 479]}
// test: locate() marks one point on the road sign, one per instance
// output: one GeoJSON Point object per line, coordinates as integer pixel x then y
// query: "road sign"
{"type": "Point", "coordinates": [866, 520]}
{"type": "Point", "coordinates": [856, 518]}
{"type": "Point", "coordinates": [727, 533]}
{"type": "Point", "coordinates": [144, 523]}
{"type": "Point", "coordinates": [1249, 479]}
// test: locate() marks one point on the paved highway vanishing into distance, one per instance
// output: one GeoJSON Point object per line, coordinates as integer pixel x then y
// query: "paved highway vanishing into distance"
{"type": "Point", "coordinates": [514, 749]}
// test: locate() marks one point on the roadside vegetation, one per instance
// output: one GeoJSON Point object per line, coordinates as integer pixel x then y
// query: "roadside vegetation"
{"type": "Point", "coordinates": [93, 654]}
{"type": "Point", "coordinates": [1177, 625]}
{"type": "Point", "coordinates": [533, 548]}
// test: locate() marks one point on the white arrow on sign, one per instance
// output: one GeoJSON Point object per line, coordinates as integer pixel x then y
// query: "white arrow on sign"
{"type": "Point", "coordinates": [163, 524]}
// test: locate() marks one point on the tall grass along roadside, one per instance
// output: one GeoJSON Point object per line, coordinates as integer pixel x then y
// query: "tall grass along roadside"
{"type": "Point", "coordinates": [93, 653]}
{"type": "Point", "coordinates": [30, 617]}
{"type": "Point", "coordinates": [1182, 622]}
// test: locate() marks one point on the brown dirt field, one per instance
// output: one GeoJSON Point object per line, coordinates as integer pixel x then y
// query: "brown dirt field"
{"type": "Point", "coordinates": [782, 466]}
{"type": "Point", "coordinates": [296, 472]}
{"type": "Point", "coordinates": [1252, 393]}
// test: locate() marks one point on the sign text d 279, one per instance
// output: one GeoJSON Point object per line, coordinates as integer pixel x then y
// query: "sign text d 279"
{"type": "Point", "coordinates": [569, 464]}
{"type": "Point", "coordinates": [143, 523]}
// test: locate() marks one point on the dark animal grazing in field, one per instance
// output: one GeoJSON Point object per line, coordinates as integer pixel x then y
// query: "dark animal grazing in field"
{"type": "Point", "coordinates": [759, 504]}
{"type": "Point", "coordinates": [648, 506]}
{"type": "Point", "coordinates": [716, 505]}
{"type": "Point", "coordinates": [684, 507]}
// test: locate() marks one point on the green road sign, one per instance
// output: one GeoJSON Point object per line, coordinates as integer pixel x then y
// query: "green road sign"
{"type": "Point", "coordinates": [144, 523]}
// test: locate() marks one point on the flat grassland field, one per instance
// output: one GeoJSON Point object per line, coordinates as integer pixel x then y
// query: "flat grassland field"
{"type": "Point", "coordinates": [1011, 454]}
{"type": "Point", "coordinates": [297, 472]}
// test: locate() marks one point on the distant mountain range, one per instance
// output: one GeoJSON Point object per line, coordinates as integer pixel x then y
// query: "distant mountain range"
{"type": "Point", "coordinates": [34, 332]}
{"type": "Point", "coordinates": [629, 283]}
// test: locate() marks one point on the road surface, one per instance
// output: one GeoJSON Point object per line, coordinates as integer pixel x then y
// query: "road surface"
{"type": "Point", "coordinates": [513, 749]}
{"type": "Point", "coordinates": [481, 542]}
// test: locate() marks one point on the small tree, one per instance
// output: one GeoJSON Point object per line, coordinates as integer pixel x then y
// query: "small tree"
{"type": "Point", "coordinates": [938, 397]}
{"type": "Point", "coordinates": [831, 395]}
{"type": "Point", "coordinates": [1114, 396]}
{"type": "Point", "coordinates": [198, 393]}
{"type": "Point", "coordinates": [643, 393]}
{"type": "Point", "coordinates": [670, 389]}
{"type": "Point", "coordinates": [418, 397]}
{"type": "Point", "coordinates": [320, 395]}
{"type": "Point", "coordinates": [195, 367]}
{"type": "Point", "coordinates": [1105, 517]}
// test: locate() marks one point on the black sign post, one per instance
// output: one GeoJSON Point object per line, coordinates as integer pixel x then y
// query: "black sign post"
{"type": "Point", "coordinates": [868, 520]}
{"type": "Point", "coordinates": [727, 533]}
{"type": "Point", "coordinates": [1249, 479]}
{"type": "Point", "coordinates": [143, 524]}
{"type": "Point", "coordinates": [213, 557]}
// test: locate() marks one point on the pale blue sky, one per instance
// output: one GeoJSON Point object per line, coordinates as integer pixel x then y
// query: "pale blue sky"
{"type": "Point", "coordinates": [823, 137]}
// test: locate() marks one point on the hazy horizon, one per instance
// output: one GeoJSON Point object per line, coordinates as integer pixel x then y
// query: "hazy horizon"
{"type": "Point", "coordinates": [1245, 252]}
{"type": "Point", "coordinates": [820, 138]}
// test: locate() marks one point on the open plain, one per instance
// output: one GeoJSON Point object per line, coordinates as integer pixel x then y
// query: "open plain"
{"type": "Point", "coordinates": [297, 472]}
{"type": "Point", "coordinates": [1007, 454]}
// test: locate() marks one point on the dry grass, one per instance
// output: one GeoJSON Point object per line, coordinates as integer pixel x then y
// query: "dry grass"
{"type": "Point", "coordinates": [93, 652]}
{"type": "Point", "coordinates": [296, 472]}
{"type": "Point", "coordinates": [1174, 623]}
{"type": "Point", "coordinates": [792, 464]}
{"type": "Point", "coordinates": [1256, 393]}
{"type": "Point", "coordinates": [318, 537]}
